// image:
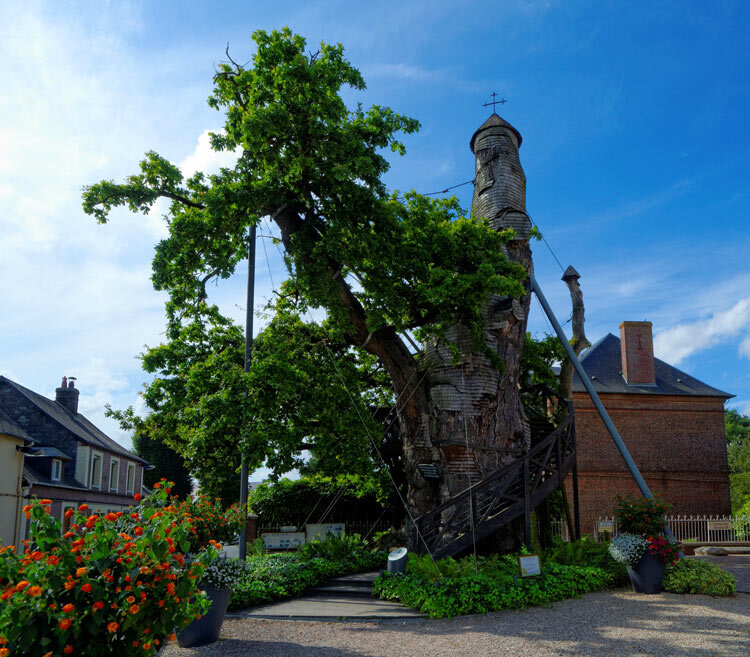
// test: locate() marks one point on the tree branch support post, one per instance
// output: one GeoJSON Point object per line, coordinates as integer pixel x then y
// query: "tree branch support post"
{"type": "Point", "coordinates": [619, 443]}
{"type": "Point", "coordinates": [248, 357]}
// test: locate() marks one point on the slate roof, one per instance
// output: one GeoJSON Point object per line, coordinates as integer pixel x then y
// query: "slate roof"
{"type": "Point", "coordinates": [77, 424]}
{"type": "Point", "coordinates": [9, 429]}
{"type": "Point", "coordinates": [47, 452]}
{"type": "Point", "coordinates": [31, 476]}
{"type": "Point", "coordinates": [602, 362]}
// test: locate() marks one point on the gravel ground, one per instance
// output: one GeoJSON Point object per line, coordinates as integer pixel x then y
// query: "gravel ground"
{"type": "Point", "coordinates": [599, 624]}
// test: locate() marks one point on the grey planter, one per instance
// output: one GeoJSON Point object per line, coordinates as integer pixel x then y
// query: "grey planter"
{"type": "Point", "coordinates": [206, 629]}
{"type": "Point", "coordinates": [647, 575]}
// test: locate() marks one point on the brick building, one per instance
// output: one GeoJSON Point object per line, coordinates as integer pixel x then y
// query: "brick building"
{"type": "Point", "coordinates": [672, 424]}
{"type": "Point", "coordinates": [71, 461]}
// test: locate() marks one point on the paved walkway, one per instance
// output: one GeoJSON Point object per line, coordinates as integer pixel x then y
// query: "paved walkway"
{"type": "Point", "coordinates": [341, 597]}
{"type": "Point", "coordinates": [598, 625]}
{"type": "Point", "coordinates": [737, 564]}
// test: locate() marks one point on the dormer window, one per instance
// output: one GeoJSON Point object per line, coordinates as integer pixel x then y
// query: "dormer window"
{"type": "Point", "coordinates": [56, 470]}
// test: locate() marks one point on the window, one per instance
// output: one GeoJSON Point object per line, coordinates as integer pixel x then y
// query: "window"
{"type": "Point", "coordinates": [96, 470]}
{"type": "Point", "coordinates": [130, 481]}
{"type": "Point", "coordinates": [114, 474]}
{"type": "Point", "coordinates": [66, 522]}
{"type": "Point", "coordinates": [56, 469]}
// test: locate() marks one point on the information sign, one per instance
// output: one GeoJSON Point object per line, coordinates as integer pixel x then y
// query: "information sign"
{"type": "Point", "coordinates": [283, 540]}
{"type": "Point", "coordinates": [529, 565]}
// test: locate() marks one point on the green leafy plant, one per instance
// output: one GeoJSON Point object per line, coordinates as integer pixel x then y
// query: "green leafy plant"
{"type": "Point", "coordinates": [643, 516]}
{"type": "Point", "coordinates": [587, 552]}
{"type": "Point", "coordinates": [116, 584]}
{"type": "Point", "coordinates": [487, 589]}
{"type": "Point", "coordinates": [694, 576]}
{"type": "Point", "coordinates": [333, 547]}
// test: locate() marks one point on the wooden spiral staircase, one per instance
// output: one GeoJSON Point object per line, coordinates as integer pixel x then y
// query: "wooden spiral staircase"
{"type": "Point", "coordinates": [512, 492]}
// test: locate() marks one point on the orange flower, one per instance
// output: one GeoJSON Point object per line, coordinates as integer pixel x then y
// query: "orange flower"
{"type": "Point", "coordinates": [134, 609]}
{"type": "Point", "coordinates": [98, 605]}
{"type": "Point", "coordinates": [68, 608]}
{"type": "Point", "coordinates": [112, 627]}
{"type": "Point", "coordinates": [138, 531]}
{"type": "Point", "coordinates": [70, 584]}
{"type": "Point", "coordinates": [64, 623]}
{"type": "Point", "coordinates": [137, 497]}
{"type": "Point", "coordinates": [52, 560]}
{"type": "Point", "coordinates": [130, 599]}
{"type": "Point", "coordinates": [35, 591]}
{"type": "Point", "coordinates": [68, 649]}
{"type": "Point", "coordinates": [47, 654]}
{"type": "Point", "coordinates": [147, 645]}
{"type": "Point", "coordinates": [69, 513]}
{"type": "Point", "coordinates": [21, 585]}
{"type": "Point", "coordinates": [86, 588]}
{"type": "Point", "coordinates": [80, 572]}
{"type": "Point", "coordinates": [46, 502]}
{"type": "Point", "coordinates": [136, 644]}
{"type": "Point", "coordinates": [4, 652]}
{"type": "Point", "coordinates": [83, 507]}
{"type": "Point", "coordinates": [172, 636]}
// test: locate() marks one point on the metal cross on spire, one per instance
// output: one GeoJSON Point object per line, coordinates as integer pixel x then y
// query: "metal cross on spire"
{"type": "Point", "coordinates": [494, 102]}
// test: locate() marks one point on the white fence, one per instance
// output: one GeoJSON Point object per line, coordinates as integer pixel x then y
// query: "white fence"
{"type": "Point", "coordinates": [688, 529]}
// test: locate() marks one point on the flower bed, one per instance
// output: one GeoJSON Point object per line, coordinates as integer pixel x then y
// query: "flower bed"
{"type": "Point", "coordinates": [494, 587]}
{"type": "Point", "coordinates": [116, 584]}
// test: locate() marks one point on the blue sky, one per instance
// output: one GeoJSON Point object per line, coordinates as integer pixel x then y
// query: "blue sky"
{"type": "Point", "coordinates": [636, 152]}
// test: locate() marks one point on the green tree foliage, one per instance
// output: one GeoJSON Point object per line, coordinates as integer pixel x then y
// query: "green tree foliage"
{"type": "Point", "coordinates": [378, 264]}
{"type": "Point", "coordinates": [149, 443]}
{"type": "Point", "coordinates": [738, 452]}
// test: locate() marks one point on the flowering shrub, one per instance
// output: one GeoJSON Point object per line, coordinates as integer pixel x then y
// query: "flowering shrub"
{"type": "Point", "coordinates": [663, 548]}
{"type": "Point", "coordinates": [209, 520]}
{"type": "Point", "coordinates": [641, 516]}
{"type": "Point", "coordinates": [628, 548]}
{"type": "Point", "coordinates": [116, 584]}
{"type": "Point", "coordinates": [224, 573]}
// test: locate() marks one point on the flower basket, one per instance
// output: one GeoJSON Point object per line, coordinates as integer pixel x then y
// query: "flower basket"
{"type": "Point", "coordinates": [206, 629]}
{"type": "Point", "coordinates": [647, 575]}
{"type": "Point", "coordinates": [218, 580]}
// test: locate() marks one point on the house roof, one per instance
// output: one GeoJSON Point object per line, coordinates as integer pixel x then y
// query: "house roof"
{"type": "Point", "coordinates": [603, 363]}
{"type": "Point", "coordinates": [76, 423]}
{"type": "Point", "coordinates": [34, 478]}
{"type": "Point", "coordinates": [9, 429]}
{"type": "Point", "coordinates": [45, 451]}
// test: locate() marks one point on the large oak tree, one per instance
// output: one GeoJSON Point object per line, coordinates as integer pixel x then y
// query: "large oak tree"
{"type": "Point", "coordinates": [382, 266]}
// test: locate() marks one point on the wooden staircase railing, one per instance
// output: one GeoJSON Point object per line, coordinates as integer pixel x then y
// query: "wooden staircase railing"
{"type": "Point", "coordinates": [509, 493]}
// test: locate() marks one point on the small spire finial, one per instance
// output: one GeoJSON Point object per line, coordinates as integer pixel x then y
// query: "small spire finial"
{"type": "Point", "coordinates": [494, 102]}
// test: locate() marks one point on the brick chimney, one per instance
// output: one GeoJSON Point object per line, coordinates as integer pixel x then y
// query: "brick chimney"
{"type": "Point", "coordinates": [67, 394]}
{"type": "Point", "coordinates": [637, 353]}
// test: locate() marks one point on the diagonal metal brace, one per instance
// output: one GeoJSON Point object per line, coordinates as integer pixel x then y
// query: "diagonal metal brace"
{"type": "Point", "coordinates": [619, 442]}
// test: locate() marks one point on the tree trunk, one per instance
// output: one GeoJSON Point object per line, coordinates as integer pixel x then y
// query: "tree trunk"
{"type": "Point", "coordinates": [467, 416]}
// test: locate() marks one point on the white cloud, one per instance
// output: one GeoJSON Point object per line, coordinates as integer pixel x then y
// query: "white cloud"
{"type": "Point", "coordinates": [205, 159]}
{"type": "Point", "coordinates": [677, 343]}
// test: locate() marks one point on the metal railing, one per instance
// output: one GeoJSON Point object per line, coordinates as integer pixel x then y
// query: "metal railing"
{"type": "Point", "coordinates": [692, 529]}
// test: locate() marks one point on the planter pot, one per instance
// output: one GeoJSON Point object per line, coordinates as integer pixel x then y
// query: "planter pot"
{"type": "Point", "coordinates": [206, 629]}
{"type": "Point", "coordinates": [647, 575]}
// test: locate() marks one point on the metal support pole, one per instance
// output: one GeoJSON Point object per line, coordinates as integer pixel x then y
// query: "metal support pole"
{"type": "Point", "coordinates": [526, 503]}
{"type": "Point", "coordinates": [619, 443]}
{"type": "Point", "coordinates": [248, 357]}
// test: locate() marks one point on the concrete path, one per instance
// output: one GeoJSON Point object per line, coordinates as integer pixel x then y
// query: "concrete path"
{"type": "Point", "coordinates": [737, 564]}
{"type": "Point", "coordinates": [341, 597]}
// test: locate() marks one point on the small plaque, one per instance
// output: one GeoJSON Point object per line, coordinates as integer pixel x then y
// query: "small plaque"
{"type": "Point", "coordinates": [322, 531]}
{"type": "Point", "coordinates": [720, 525]}
{"type": "Point", "coordinates": [529, 565]}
